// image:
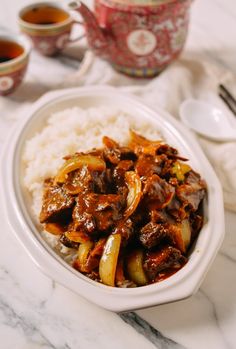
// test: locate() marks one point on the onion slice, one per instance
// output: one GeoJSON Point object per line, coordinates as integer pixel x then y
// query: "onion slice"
{"type": "Point", "coordinates": [134, 185]}
{"type": "Point", "coordinates": [135, 268]}
{"type": "Point", "coordinates": [77, 236]}
{"type": "Point", "coordinates": [54, 228]}
{"type": "Point", "coordinates": [78, 161]}
{"type": "Point", "coordinates": [142, 145]}
{"type": "Point", "coordinates": [108, 261]}
{"type": "Point", "coordinates": [186, 233]}
{"type": "Point", "coordinates": [136, 139]}
{"type": "Point", "coordinates": [181, 234]}
{"type": "Point", "coordinates": [83, 253]}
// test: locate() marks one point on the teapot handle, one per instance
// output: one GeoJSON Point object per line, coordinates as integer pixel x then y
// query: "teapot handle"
{"type": "Point", "coordinates": [72, 40]}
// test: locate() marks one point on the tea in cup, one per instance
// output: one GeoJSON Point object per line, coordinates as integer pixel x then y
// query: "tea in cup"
{"type": "Point", "coordinates": [14, 57]}
{"type": "Point", "coordinates": [48, 25]}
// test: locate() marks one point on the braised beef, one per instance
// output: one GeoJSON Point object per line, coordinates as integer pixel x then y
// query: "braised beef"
{"type": "Point", "coordinates": [152, 234]}
{"type": "Point", "coordinates": [97, 212]}
{"type": "Point", "coordinates": [157, 192]}
{"type": "Point", "coordinates": [141, 196]}
{"type": "Point", "coordinates": [177, 209]}
{"type": "Point", "coordinates": [57, 203]}
{"type": "Point", "coordinates": [192, 191]}
{"type": "Point", "coordinates": [125, 229]}
{"type": "Point", "coordinates": [112, 152]}
{"type": "Point", "coordinates": [164, 258]}
{"type": "Point", "coordinates": [85, 181]}
{"type": "Point", "coordinates": [119, 171]}
{"type": "Point", "coordinates": [147, 165]}
{"type": "Point", "coordinates": [196, 221]}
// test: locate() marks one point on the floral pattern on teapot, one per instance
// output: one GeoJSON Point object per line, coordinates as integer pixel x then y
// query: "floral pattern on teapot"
{"type": "Point", "coordinates": [139, 38]}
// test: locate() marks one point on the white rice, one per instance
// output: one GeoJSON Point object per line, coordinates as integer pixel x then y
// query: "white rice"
{"type": "Point", "coordinates": [70, 131]}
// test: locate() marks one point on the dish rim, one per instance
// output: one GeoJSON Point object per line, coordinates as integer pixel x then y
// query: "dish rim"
{"type": "Point", "coordinates": [179, 286]}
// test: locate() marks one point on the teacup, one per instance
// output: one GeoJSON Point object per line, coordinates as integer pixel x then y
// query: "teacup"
{"type": "Point", "coordinates": [48, 25]}
{"type": "Point", "coordinates": [14, 57]}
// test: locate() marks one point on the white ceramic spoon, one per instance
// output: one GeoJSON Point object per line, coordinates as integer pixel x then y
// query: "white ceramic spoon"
{"type": "Point", "coordinates": [207, 120]}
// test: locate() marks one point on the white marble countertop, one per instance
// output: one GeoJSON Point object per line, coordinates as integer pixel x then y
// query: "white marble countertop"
{"type": "Point", "coordinates": [37, 313]}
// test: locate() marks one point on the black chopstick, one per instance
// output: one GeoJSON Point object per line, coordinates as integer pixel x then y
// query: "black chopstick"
{"type": "Point", "coordinates": [226, 101]}
{"type": "Point", "coordinates": [227, 98]}
{"type": "Point", "coordinates": [227, 93]}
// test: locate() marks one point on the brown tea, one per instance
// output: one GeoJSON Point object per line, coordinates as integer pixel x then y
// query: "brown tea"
{"type": "Point", "coordinates": [9, 50]}
{"type": "Point", "coordinates": [45, 15]}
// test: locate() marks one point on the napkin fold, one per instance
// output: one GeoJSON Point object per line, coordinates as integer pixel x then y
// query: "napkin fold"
{"type": "Point", "coordinates": [193, 76]}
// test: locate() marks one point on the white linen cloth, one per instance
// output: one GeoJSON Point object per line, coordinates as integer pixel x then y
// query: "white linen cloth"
{"type": "Point", "coordinates": [190, 76]}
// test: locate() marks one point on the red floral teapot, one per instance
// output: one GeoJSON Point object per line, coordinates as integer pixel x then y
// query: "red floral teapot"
{"type": "Point", "coordinates": [138, 37]}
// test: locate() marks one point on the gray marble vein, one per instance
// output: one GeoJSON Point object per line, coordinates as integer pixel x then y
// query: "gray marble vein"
{"type": "Point", "coordinates": [12, 319]}
{"type": "Point", "coordinates": [152, 334]}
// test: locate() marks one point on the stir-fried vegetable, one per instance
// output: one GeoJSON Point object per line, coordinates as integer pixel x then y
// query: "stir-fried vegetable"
{"type": "Point", "coordinates": [135, 268]}
{"type": "Point", "coordinates": [54, 228]}
{"type": "Point", "coordinates": [181, 234]}
{"type": "Point", "coordinates": [136, 139]}
{"type": "Point", "coordinates": [108, 262]}
{"type": "Point", "coordinates": [186, 233]}
{"type": "Point", "coordinates": [120, 276]}
{"type": "Point", "coordinates": [77, 236]}
{"type": "Point", "coordinates": [83, 253]}
{"type": "Point", "coordinates": [109, 143]}
{"type": "Point", "coordinates": [134, 185]}
{"type": "Point", "coordinates": [179, 169]}
{"type": "Point", "coordinates": [142, 145]}
{"type": "Point", "coordinates": [78, 161]}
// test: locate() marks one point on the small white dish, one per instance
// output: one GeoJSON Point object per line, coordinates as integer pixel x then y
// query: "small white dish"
{"type": "Point", "coordinates": [20, 218]}
{"type": "Point", "coordinates": [207, 120]}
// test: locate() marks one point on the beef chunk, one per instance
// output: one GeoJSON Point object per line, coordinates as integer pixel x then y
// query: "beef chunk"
{"type": "Point", "coordinates": [119, 171]}
{"type": "Point", "coordinates": [147, 165]}
{"type": "Point", "coordinates": [97, 212]}
{"type": "Point", "coordinates": [193, 191]}
{"type": "Point", "coordinates": [127, 154]}
{"type": "Point", "coordinates": [152, 234]}
{"type": "Point", "coordinates": [125, 229]}
{"type": "Point", "coordinates": [170, 152]}
{"type": "Point", "coordinates": [84, 180]}
{"type": "Point", "coordinates": [112, 152]}
{"type": "Point", "coordinates": [57, 203]}
{"type": "Point", "coordinates": [177, 209]}
{"type": "Point", "coordinates": [167, 150]}
{"type": "Point", "coordinates": [165, 258]}
{"type": "Point", "coordinates": [196, 222]}
{"type": "Point", "coordinates": [159, 216]}
{"type": "Point", "coordinates": [158, 192]}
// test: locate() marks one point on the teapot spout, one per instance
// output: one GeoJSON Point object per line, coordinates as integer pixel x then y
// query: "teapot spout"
{"type": "Point", "coordinates": [97, 39]}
